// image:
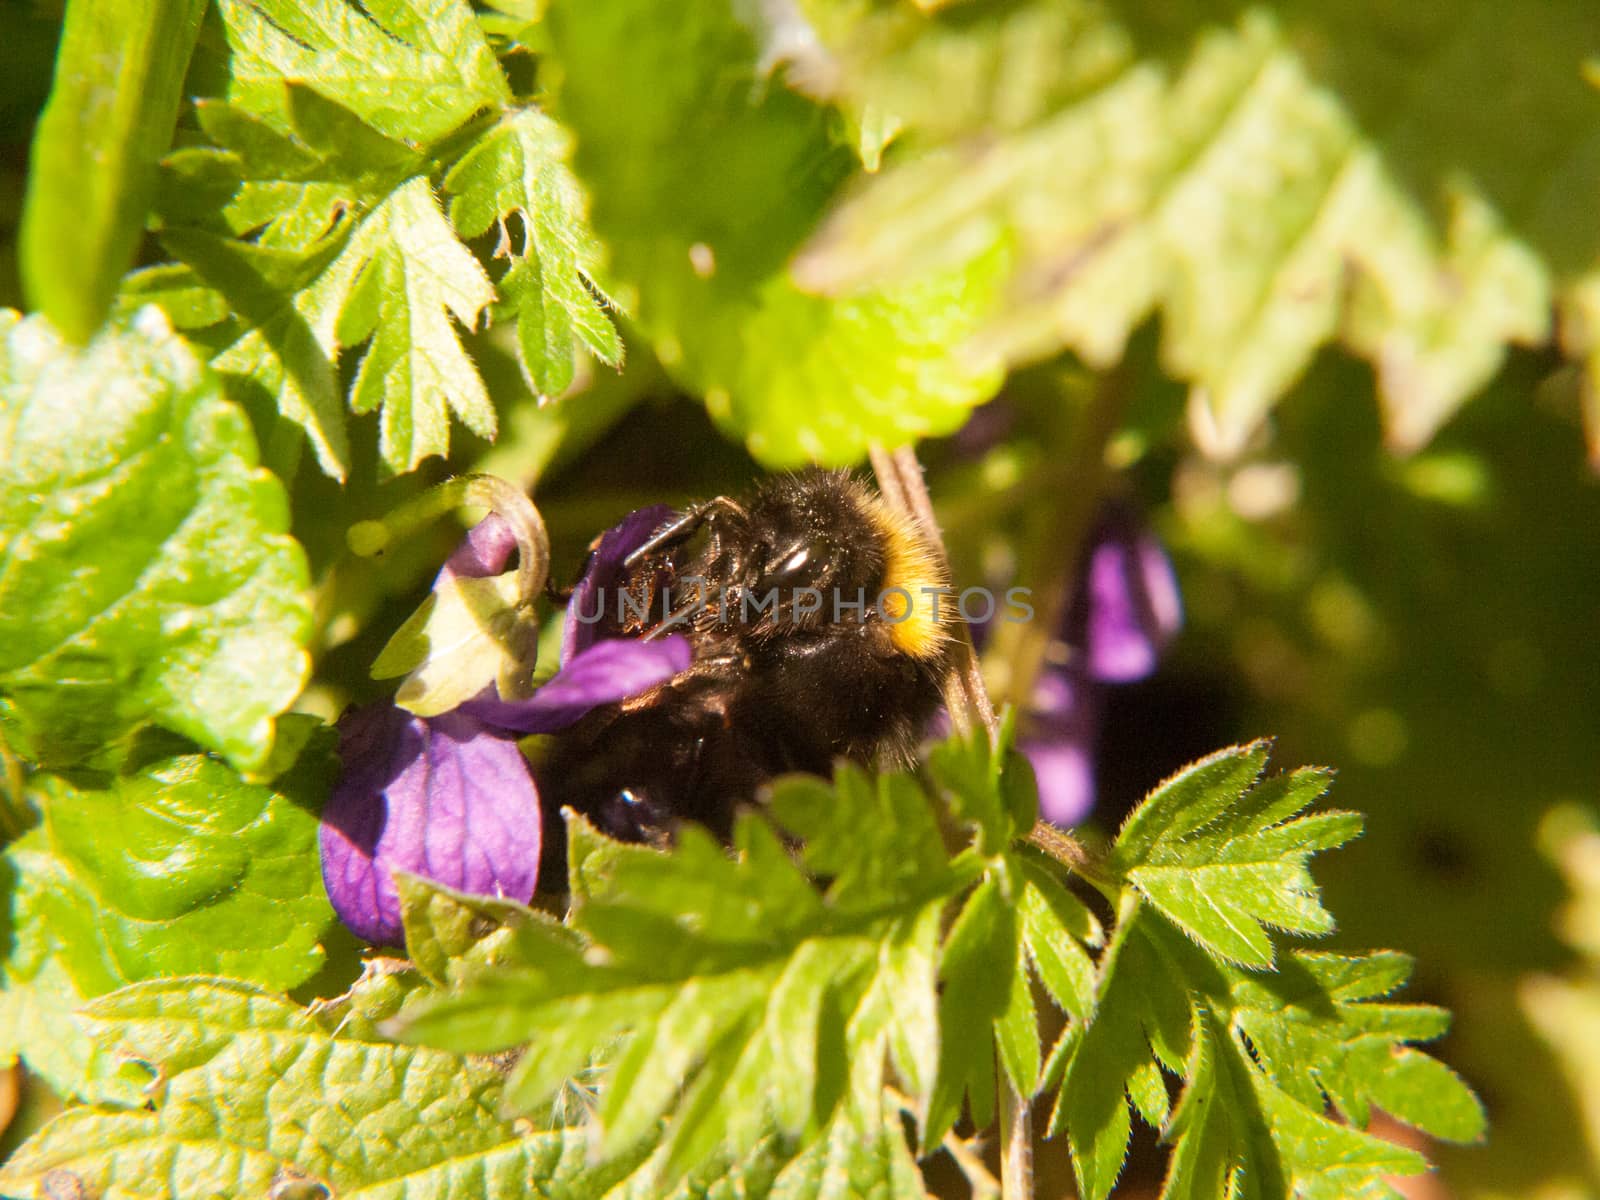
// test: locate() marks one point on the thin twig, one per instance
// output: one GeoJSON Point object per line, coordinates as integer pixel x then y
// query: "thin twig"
{"type": "Point", "coordinates": [888, 473]}
{"type": "Point", "coordinates": [901, 483]}
{"type": "Point", "coordinates": [1016, 1142]}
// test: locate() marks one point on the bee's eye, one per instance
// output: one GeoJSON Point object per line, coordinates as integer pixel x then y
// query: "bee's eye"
{"type": "Point", "coordinates": [790, 566]}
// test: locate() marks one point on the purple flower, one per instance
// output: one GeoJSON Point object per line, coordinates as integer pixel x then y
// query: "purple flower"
{"type": "Point", "coordinates": [602, 574]}
{"type": "Point", "coordinates": [601, 673]}
{"type": "Point", "coordinates": [449, 796]}
{"type": "Point", "coordinates": [1063, 723]}
{"type": "Point", "coordinates": [442, 797]}
{"type": "Point", "coordinates": [1127, 607]}
{"type": "Point", "coordinates": [1125, 610]}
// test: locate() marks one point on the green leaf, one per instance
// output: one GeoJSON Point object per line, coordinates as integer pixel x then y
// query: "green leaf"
{"type": "Point", "coordinates": [1141, 1004]}
{"type": "Point", "coordinates": [860, 1154]}
{"type": "Point", "coordinates": [706, 176]}
{"type": "Point", "coordinates": [1055, 928]}
{"type": "Point", "coordinates": [399, 280]}
{"type": "Point", "coordinates": [149, 575]}
{"type": "Point", "coordinates": [397, 276]}
{"type": "Point", "coordinates": [1259, 1054]}
{"type": "Point", "coordinates": [519, 167]}
{"type": "Point", "coordinates": [978, 974]}
{"type": "Point", "coordinates": [860, 1159]}
{"type": "Point", "coordinates": [285, 186]}
{"type": "Point", "coordinates": [1235, 1134]}
{"type": "Point", "coordinates": [450, 935]}
{"type": "Point", "coordinates": [316, 153]}
{"type": "Point", "coordinates": [181, 868]}
{"type": "Point", "coordinates": [1016, 1033]}
{"type": "Point", "coordinates": [1224, 866]}
{"type": "Point", "coordinates": [890, 845]}
{"type": "Point", "coordinates": [748, 1001]}
{"type": "Point", "coordinates": [118, 79]}
{"type": "Point", "coordinates": [414, 70]}
{"type": "Point", "coordinates": [257, 1094]}
{"type": "Point", "coordinates": [968, 773]}
{"type": "Point", "coordinates": [1269, 178]}
{"type": "Point", "coordinates": [263, 326]}
{"type": "Point", "coordinates": [1318, 1031]}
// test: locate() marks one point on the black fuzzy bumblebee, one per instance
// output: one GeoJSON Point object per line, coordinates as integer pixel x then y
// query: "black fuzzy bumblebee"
{"type": "Point", "coordinates": [816, 633]}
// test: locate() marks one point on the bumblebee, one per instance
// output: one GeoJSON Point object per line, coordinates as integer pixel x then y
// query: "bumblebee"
{"type": "Point", "coordinates": [812, 611]}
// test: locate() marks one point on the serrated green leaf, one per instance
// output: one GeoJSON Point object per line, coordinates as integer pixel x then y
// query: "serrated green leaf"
{"type": "Point", "coordinates": [1141, 1004]}
{"type": "Point", "coordinates": [749, 1001]}
{"type": "Point", "coordinates": [1224, 866]}
{"type": "Point", "coordinates": [271, 343]}
{"type": "Point", "coordinates": [118, 80]}
{"type": "Point", "coordinates": [978, 973]}
{"type": "Point", "coordinates": [592, 856]}
{"type": "Point", "coordinates": [181, 868]}
{"type": "Point", "coordinates": [1235, 1134]}
{"type": "Point", "coordinates": [705, 177]}
{"type": "Point", "coordinates": [256, 1092]}
{"type": "Point", "coordinates": [969, 773]}
{"type": "Point", "coordinates": [1016, 1034]}
{"type": "Point", "coordinates": [149, 575]}
{"type": "Point", "coordinates": [860, 1155]}
{"type": "Point", "coordinates": [1250, 1120]}
{"type": "Point", "coordinates": [412, 69]}
{"type": "Point", "coordinates": [1269, 177]}
{"type": "Point", "coordinates": [1055, 925]}
{"type": "Point", "coordinates": [398, 281]}
{"type": "Point", "coordinates": [396, 275]}
{"type": "Point", "coordinates": [452, 935]}
{"type": "Point", "coordinates": [860, 1159]}
{"type": "Point", "coordinates": [316, 154]}
{"type": "Point", "coordinates": [1188, 800]}
{"type": "Point", "coordinates": [284, 187]}
{"type": "Point", "coordinates": [890, 844]}
{"type": "Point", "coordinates": [519, 167]}
{"type": "Point", "coordinates": [1319, 1030]}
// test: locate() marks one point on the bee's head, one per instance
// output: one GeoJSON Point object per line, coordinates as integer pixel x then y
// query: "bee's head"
{"type": "Point", "coordinates": [812, 531]}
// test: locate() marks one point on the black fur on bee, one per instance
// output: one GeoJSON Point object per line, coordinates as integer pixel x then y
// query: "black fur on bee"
{"type": "Point", "coordinates": [810, 610]}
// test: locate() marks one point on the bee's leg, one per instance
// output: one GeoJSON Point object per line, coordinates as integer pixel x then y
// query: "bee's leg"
{"type": "Point", "coordinates": [679, 618]}
{"type": "Point", "coordinates": [684, 526]}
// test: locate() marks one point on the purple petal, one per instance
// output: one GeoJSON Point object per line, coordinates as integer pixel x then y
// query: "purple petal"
{"type": "Point", "coordinates": [604, 673]}
{"type": "Point", "coordinates": [1060, 745]}
{"type": "Point", "coordinates": [1127, 607]}
{"type": "Point", "coordinates": [603, 572]}
{"type": "Point", "coordinates": [444, 798]}
{"type": "Point", "coordinates": [1065, 771]}
{"type": "Point", "coordinates": [483, 552]}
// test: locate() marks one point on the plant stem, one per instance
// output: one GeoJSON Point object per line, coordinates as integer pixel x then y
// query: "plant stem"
{"type": "Point", "coordinates": [1016, 1143]}
{"type": "Point", "coordinates": [901, 483]}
